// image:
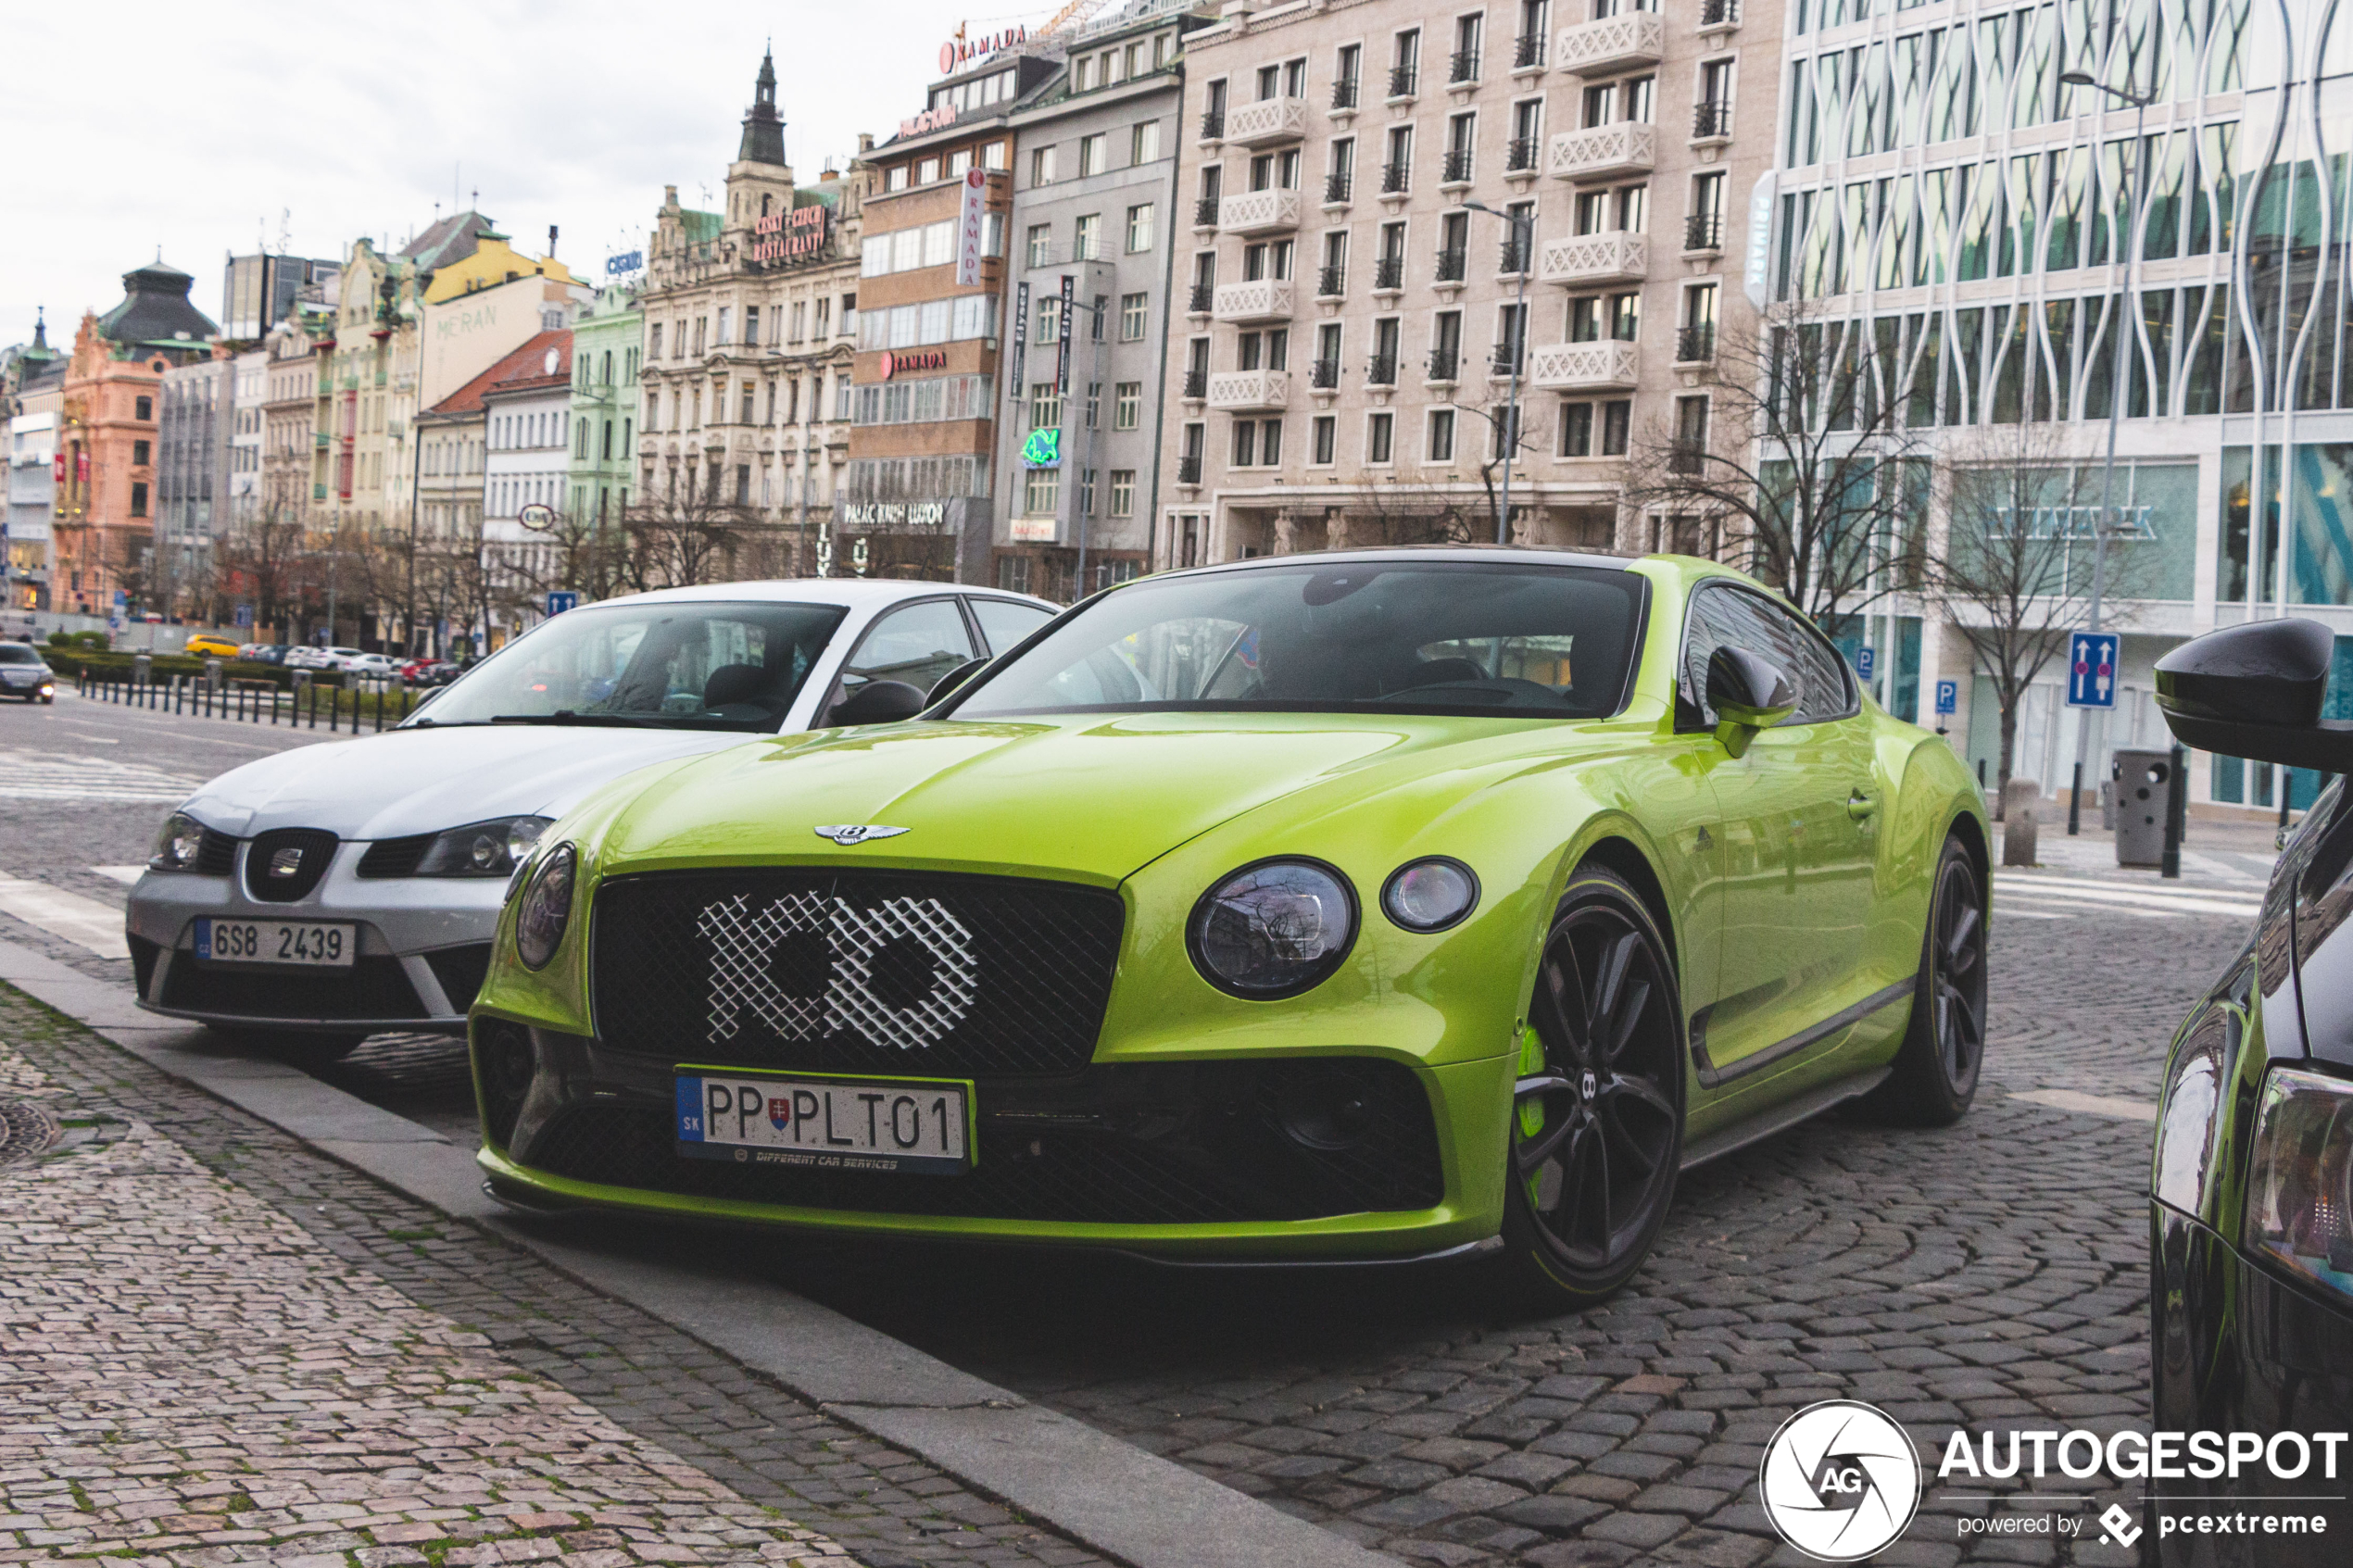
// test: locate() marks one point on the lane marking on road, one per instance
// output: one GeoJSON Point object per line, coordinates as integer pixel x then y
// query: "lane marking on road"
{"type": "Point", "coordinates": [2139, 898]}
{"type": "Point", "coordinates": [85, 923]}
{"type": "Point", "coordinates": [123, 874]}
{"type": "Point", "coordinates": [56, 775]}
{"type": "Point", "coordinates": [2076, 1100]}
{"type": "Point", "coordinates": [2071, 879]}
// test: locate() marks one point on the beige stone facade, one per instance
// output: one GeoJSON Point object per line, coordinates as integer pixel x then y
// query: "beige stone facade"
{"type": "Point", "coordinates": [1344, 306]}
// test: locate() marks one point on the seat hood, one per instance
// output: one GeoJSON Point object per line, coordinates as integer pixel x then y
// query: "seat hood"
{"type": "Point", "coordinates": [413, 780]}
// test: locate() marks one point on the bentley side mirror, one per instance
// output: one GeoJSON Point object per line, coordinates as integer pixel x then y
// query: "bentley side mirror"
{"type": "Point", "coordinates": [877, 702]}
{"type": "Point", "coordinates": [2255, 691]}
{"type": "Point", "coordinates": [1748, 695]}
{"type": "Point", "coordinates": [955, 681]}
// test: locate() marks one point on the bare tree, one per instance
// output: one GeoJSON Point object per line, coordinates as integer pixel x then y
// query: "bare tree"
{"type": "Point", "coordinates": [1804, 473]}
{"type": "Point", "coordinates": [2014, 576]}
{"type": "Point", "coordinates": [685, 536]}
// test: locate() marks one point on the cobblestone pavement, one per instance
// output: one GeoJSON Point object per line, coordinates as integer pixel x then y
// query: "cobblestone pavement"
{"type": "Point", "coordinates": [217, 1347]}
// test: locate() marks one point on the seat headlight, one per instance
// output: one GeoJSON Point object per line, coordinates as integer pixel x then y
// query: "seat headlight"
{"type": "Point", "coordinates": [1272, 929]}
{"type": "Point", "coordinates": [177, 846]}
{"type": "Point", "coordinates": [2299, 1189]}
{"type": "Point", "coordinates": [492, 849]}
{"type": "Point", "coordinates": [545, 910]}
{"type": "Point", "coordinates": [1429, 895]}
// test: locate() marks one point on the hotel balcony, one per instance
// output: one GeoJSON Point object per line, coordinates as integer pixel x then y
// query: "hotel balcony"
{"type": "Point", "coordinates": [1266, 299]}
{"type": "Point", "coordinates": [1259, 212]}
{"type": "Point", "coordinates": [1583, 259]}
{"type": "Point", "coordinates": [1602, 151]}
{"type": "Point", "coordinates": [1266, 121]}
{"type": "Point", "coordinates": [1611, 44]}
{"type": "Point", "coordinates": [1240, 391]}
{"type": "Point", "coordinates": [1606, 366]}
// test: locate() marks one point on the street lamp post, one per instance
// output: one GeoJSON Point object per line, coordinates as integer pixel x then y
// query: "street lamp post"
{"type": "Point", "coordinates": [1524, 242]}
{"type": "Point", "coordinates": [2127, 304]}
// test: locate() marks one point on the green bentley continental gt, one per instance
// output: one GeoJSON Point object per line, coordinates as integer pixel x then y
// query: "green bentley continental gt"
{"type": "Point", "coordinates": [1377, 905]}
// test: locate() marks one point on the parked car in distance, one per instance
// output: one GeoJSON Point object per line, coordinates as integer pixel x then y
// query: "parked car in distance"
{"type": "Point", "coordinates": [263, 653]}
{"type": "Point", "coordinates": [379, 665]}
{"type": "Point", "coordinates": [212, 645]}
{"type": "Point", "coordinates": [429, 673]}
{"type": "Point", "coordinates": [24, 673]}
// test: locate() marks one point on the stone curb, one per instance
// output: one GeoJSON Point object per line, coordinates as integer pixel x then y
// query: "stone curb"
{"type": "Point", "coordinates": [1136, 1507]}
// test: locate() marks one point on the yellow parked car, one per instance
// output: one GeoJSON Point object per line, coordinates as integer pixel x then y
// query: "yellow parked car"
{"type": "Point", "coordinates": [205, 644]}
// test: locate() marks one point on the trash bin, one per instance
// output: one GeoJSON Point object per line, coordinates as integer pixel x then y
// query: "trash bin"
{"type": "Point", "coordinates": [140, 665]}
{"type": "Point", "coordinates": [212, 673]}
{"type": "Point", "coordinates": [2140, 782]}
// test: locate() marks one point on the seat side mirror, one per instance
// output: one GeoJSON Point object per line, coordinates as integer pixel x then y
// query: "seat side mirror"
{"type": "Point", "coordinates": [877, 702]}
{"type": "Point", "coordinates": [955, 681]}
{"type": "Point", "coordinates": [1748, 695]}
{"type": "Point", "coordinates": [2255, 691]}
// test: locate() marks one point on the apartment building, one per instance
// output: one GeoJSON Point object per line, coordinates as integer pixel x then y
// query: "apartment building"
{"type": "Point", "coordinates": [1396, 209]}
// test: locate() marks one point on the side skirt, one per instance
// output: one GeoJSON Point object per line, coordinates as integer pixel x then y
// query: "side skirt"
{"type": "Point", "coordinates": [1778, 1117]}
{"type": "Point", "coordinates": [1711, 1075]}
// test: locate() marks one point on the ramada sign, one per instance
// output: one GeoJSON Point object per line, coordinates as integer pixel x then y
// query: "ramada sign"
{"type": "Point", "coordinates": [920, 359]}
{"type": "Point", "coordinates": [794, 234]}
{"type": "Point", "coordinates": [960, 51]}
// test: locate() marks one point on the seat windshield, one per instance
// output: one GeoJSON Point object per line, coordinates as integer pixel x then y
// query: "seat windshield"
{"type": "Point", "coordinates": [1508, 638]}
{"type": "Point", "coordinates": [699, 665]}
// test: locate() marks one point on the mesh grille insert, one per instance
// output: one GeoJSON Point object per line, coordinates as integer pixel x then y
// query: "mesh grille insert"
{"type": "Point", "coordinates": [394, 857]}
{"type": "Point", "coordinates": [216, 854]}
{"type": "Point", "coordinates": [855, 971]}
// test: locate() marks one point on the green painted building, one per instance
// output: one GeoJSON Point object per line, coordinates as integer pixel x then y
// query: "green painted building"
{"type": "Point", "coordinates": [608, 342]}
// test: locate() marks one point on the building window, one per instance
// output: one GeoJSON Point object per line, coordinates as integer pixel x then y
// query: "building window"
{"type": "Point", "coordinates": [1132, 317]}
{"type": "Point", "coordinates": [1041, 244]}
{"type": "Point", "coordinates": [1380, 432]}
{"type": "Point", "coordinates": [1093, 153]}
{"type": "Point", "coordinates": [1245, 453]}
{"type": "Point", "coordinates": [993, 155]}
{"type": "Point", "coordinates": [1140, 227]}
{"type": "Point", "coordinates": [144, 410]}
{"type": "Point", "coordinates": [1616, 419]}
{"type": "Point", "coordinates": [1086, 240]}
{"type": "Point", "coordinates": [653, 342]}
{"type": "Point", "coordinates": [1045, 406]}
{"type": "Point", "coordinates": [1577, 430]}
{"type": "Point", "coordinates": [1042, 492]}
{"type": "Point", "coordinates": [139, 498]}
{"type": "Point", "coordinates": [1441, 435]}
{"type": "Point", "coordinates": [140, 452]}
{"type": "Point", "coordinates": [1128, 402]}
{"type": "Point", "coordinates": [1041, 166]}
{"type": "Point", "coordinates": [1144, 143]}
{"type": "Point", "coordinates": [1050, 310]}
{"type": "Point", "coordinates": [1013, 574]}
{"type": "Point", "coordinates": [1123, 492]}
{"type": "Point", "coordinates": [1326, 439]}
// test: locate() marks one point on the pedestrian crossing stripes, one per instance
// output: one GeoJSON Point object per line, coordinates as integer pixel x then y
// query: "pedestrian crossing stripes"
{"type": "Point", "coordinates": [56, 775]}
{"type": "Point", "coordinates": [2087, 896]}
{"type": "Point", "coordinates": [85, 923]}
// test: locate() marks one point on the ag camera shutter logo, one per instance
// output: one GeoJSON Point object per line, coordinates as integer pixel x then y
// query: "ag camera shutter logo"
{"type": "Point", "coordinates": [1841, 1480]}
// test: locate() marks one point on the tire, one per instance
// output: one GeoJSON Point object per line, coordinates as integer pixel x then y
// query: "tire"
{"type": "Point", "coordinates": [1937, 1066]}
{"type": "Point", "coordinates": [1596, 1131]}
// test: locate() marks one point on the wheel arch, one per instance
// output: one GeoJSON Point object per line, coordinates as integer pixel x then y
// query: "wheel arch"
{"type": "Point", "coordinates": [1620, 854]}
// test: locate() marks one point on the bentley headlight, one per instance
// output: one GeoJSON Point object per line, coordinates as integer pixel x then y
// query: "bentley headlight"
{"type": "Point", "coordinates": [492, 849]}
{"type": "Point", "coordinates": [2299, 1188]}
{"type": "Point", "coordinates": [1429, 895]}
{"type": "Point", "coordinates": [547, 907]}
{"type": "Point", "coordinates": [178, 845]}
{"type": "Point", "coordinates": [1272, 929]}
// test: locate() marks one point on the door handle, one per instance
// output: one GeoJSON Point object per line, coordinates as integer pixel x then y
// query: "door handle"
{"type": "Point", "coordinates": [1859, 805]}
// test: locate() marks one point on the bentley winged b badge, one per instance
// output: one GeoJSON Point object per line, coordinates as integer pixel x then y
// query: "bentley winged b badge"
{"type": "Point", "coordinates": [846, 833]}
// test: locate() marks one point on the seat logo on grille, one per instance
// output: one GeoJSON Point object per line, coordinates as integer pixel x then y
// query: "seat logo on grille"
{"type": "Point", "coordinates": [846, 834]}
{"type": "Point", "coordinates": [899, 973]}
{"type": "Point", "coordinates": [285, 862]}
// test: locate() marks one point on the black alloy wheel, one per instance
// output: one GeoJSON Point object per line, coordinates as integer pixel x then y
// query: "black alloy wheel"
{"type": "Point", "coordinates": [1935, 1073]}
{"type": "Point", "coordinates": [1597, 1127]}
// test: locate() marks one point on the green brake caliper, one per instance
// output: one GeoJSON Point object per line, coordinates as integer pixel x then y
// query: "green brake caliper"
{"type": "Point", "coordinates": [1532, 1110]}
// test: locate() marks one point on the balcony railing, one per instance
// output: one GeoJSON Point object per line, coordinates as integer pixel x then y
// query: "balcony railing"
{"type": "Point", "coordinates": [1719, 13]}
{"type": "Point", "coordinates": [1519, 155]}
{"type": "Point", "coordinates": [1445, 364]}
{"type": "Point", "coordinates": [1450, 265]}
{"type": "Point", "coordinates": [1527, 50]}
{"type": "Point", "coordinates": [1189, 467]}
{"type": "Point", "coordinates": [1331, 282]}
{"type": "Point", "coordinates": [1199, 301]}
{"type": "Point", "coordinates": [1388, 272]}
{"type": "Point", "coordinates": [1345, 93]}
{"type": "Point", "coordinates": [1324, 374]}
{"type": "Point", "coordinates": [1711, 118]}
{"type": "Point", "coordinates": [1396, 179]}
{"type": "Point", "coordinates": [1695, 345]}
{"type": "Point", "coordinates": [1602, 151]}
{"type": "Point", "coordinates": [1213, 125]}
{"type": "Point", "coordinates": [1400, 80]}
{"type": "Point", "coordinates": [1606, 366]}
{"type": "Point", "coordinates": [1462, 66]}
{"type": "Point", "coordinates": [1613, 43]}
{"type": "Point", "coordinates": [1336, 187]}
{"type": "Point", "coordinates": [1580, 260]}
{"type": "Point", "coordinates": [1248, 389]}
{"type": "Point", "coordinates": [1259, 212]}
{"type": "Point", "coordinates": [1205, 213]}
{"type": "Point", "coordinates": [1381, 370]}
{"type": "Point", "coordinates": [1259, 299]}
{"type": "Point", "coordinates": [1267, 120]}
{"type": "Point", "coordinates": [1456, 169]}
{"type": "Point", "coordinates": [1196, 384]}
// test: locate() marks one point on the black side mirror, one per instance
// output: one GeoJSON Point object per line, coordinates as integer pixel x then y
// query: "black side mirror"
{"type": "Point", "coordinates": [1748, 695]}
{"type": "Point", "coordinates": [955, 680]}
{"type": "Point", "coordinates": [877, 702]}
{"type": "Point", "coordinates": [2255, 691]}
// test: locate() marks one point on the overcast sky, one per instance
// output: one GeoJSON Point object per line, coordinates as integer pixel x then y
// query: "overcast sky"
{"type": "Point", "coordinates": [200, 128]}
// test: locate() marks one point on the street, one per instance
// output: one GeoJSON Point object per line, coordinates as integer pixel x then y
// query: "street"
{"type": "Point", "coordinates": [1993, 1273]}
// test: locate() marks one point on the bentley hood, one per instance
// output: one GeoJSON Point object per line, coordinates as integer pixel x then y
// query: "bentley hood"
{"type": "Point", "coordinates": [1088, 799]}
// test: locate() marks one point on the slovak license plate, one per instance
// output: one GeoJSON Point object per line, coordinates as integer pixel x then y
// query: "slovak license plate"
{"type": "Point", "coordinates": [276, 941]}
{"type": "Point", "coordinates": [908, 1125]}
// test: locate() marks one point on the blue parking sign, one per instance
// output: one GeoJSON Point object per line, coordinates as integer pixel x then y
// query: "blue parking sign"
{"type": "Point", "coordinates": [1865, 660]}
{"type": "Point", "coordinates": [1948, 697]}
{"type": "Point", "coordinates": [2091, 669]}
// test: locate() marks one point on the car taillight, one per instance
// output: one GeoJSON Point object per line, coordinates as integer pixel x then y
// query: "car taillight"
{"type": "Point", "coordinates": [2300, 1190]}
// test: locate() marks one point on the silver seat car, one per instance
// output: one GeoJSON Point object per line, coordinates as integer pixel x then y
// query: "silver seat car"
{"type": "Point", "coordinates": [343, 889]}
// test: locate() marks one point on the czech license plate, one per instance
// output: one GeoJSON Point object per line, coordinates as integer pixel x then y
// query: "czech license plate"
{"type": "Point", "coordinates": [276, 941]}
{"type": "Point", "coordinates": [908, 1125]}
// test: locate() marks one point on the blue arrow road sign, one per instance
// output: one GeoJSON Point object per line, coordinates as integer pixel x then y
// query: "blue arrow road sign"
{"type": "Point", "coordinates": [561, 600]}
{"type": "Point", "coordinates": [2091, 670]}
{"type": "Point", "coordinates": [244, 615]}
{"type": "Point", "coordinates": [1948, 697]}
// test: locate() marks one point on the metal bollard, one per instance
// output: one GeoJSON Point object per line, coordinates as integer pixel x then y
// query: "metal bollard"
{"type": "Point", "coordinates": [2021, 799]}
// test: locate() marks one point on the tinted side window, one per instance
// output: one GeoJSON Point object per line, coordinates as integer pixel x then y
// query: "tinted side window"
{"type": "Point", "coordinates": [917, 644]}
{"type": "Point", "coordinates": [1755, 625]}
{"type": "Point", "coordinates": [1005, 623]}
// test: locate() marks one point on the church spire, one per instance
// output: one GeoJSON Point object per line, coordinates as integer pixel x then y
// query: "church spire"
{"type": "Point", "coordinates": [763, 127]}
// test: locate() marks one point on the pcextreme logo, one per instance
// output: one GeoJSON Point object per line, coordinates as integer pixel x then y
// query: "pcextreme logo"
{"type": "Point", "coordinates": [1841, 1480]}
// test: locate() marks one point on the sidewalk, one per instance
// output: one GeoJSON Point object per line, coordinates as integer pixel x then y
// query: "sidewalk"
{"type": "Point", "coordinates": [192, 1379]}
